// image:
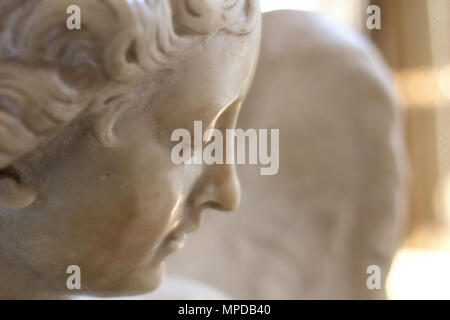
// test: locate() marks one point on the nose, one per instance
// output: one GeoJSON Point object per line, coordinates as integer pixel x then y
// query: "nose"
{"type": "Point", "coordinates": [219, 188]}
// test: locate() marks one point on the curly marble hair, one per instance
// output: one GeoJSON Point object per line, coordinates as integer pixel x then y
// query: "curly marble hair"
{"type": "Point", "coordinates": [50, 76]}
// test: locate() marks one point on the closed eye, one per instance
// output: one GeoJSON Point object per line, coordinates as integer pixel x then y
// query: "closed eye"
{"type": "Point", "coordinates": [214, 122]}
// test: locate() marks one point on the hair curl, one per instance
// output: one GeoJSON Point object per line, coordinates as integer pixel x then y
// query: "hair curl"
{"type": "Point", "coordinates": [49, 76]}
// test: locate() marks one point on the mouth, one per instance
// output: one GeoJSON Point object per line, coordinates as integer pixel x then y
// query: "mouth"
{"type": "Point", "coordinates": [175, 242]}
{"type": "Point", "coordinates": [176, 239]}
{"type": "Point", "coordinates": [169, 245]}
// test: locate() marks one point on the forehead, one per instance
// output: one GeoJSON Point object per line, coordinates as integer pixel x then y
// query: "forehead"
{"type": "Point", "coordinates": [218, 72]}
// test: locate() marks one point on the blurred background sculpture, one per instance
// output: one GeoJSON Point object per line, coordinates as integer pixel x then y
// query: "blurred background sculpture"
{"type": "Point", "coordinates": [86, 118]}
{"type": "Point", "coordinates": [337, 205]}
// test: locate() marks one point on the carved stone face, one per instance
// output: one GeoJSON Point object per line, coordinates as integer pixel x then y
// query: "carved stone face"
{"type": "Point", "coordinates": [117, 212]}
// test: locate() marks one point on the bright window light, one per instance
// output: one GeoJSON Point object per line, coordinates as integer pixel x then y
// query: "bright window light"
{"type": "Point", "coordinates": [420, 274]}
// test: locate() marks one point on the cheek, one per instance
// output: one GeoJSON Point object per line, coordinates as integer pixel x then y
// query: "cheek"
{"type": "Point", "coordinates": [123, 210]}
{"type": "Point", "coordinates": [142, 208]}
{"type": "Point", "coordinates": [155, 207]}
{"type": "Point", "coordinates": [121, 226]}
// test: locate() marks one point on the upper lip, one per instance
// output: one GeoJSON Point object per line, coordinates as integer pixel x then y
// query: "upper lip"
{"type": "Point", "coordinates": [190, 223]}
{"type": "Point", "coordinates": [194, 219]}
{"type": "Point", "coordinates": [177, 237]}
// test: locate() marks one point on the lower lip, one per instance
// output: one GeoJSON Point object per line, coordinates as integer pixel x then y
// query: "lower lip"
{"type": "Point", "coordinates": [175, 244]}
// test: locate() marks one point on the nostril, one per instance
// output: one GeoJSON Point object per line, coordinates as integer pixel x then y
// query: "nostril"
{"type": "Point", "coordinates": [228, 195]}
{"type": "Point", "coordinates": [221, 193]}
{"type": "Point", "coordinates": [215, 205]}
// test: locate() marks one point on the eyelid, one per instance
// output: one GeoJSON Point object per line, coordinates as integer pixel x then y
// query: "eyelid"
{"type": "Point", "coordinates": [214, 122]}
{"type": "Point", "coordinates": [208, 138]}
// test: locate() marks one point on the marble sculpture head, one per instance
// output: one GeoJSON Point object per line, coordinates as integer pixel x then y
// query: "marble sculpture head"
{"type": "Point", "coordinates": [86, 117]}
